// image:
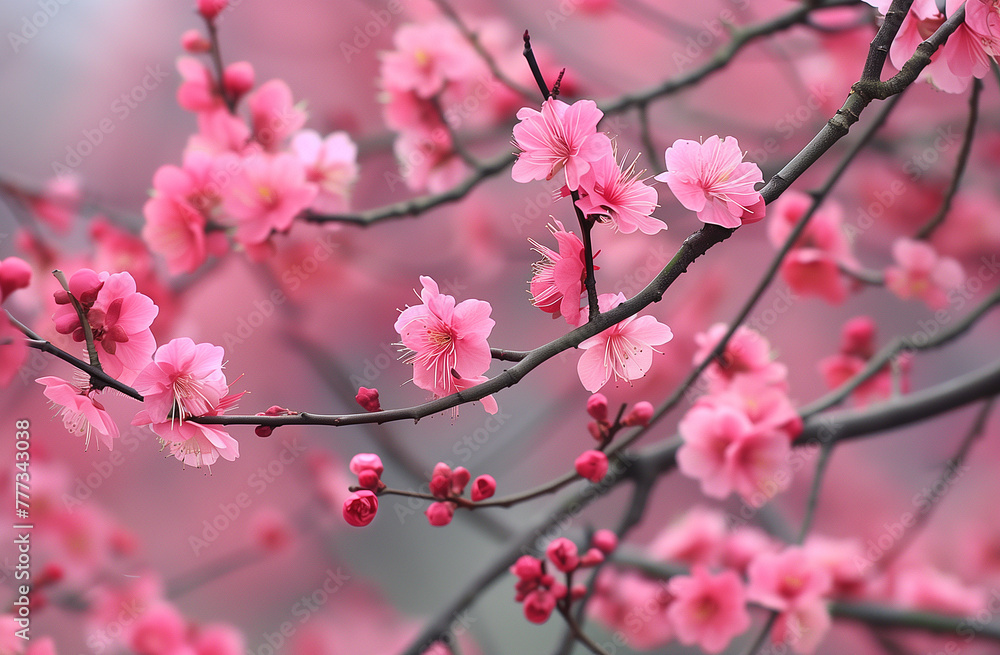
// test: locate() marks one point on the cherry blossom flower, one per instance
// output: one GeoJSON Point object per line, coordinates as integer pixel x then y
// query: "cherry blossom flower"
{"type": "Point", "coordinates": [712, 179]}
{"type": "Point", "coordinates": [782, 581]}
{"type": "Point", "coordinates": [921, 273]}
{"type": "Point", "coordinates": [119, 319]}
{"type": "Point", "coordinates": [331, 164]}
{"type": "Point", "coordinates": [697, 538]}
{"type": "Point", "coordinates": [634, 607]}
{"type": "Point", "coordinates": [197, 92]}
{"type": "Point", "coordinates": [559, 136]}
{"type": "Point", "coordinates": [747, 354]}
{"type": "Point", "coordinates": [159, 629]}
{"type": "Point", "coordinates": [708, 610]}
{"type": "Point", "coordinates": [857, 347]}
{"type": "Point", "coordinates": [427, 57]}
{"type": "Point", "coordinates": [813, 265]}
{"type": "Point", "coordinates": [175, 230]}
{"type": "Point", "coordinates": [982, 17]}
{"type": "Point", "coordinates": [726, 452]}
{"type": "Point", "coordinates": [624, 350]}
{"type": "Point", "coordinates": [428, 161]}
{"type": "Point", "coordinates": [184, 379]}
{"type": "Point", "coordinates": [81, 412]}
{"type": "Point", "coordinates": [273, 115]}
{"type": "Point", "coordinates": [360, 508]}
{"type": "Point", "coordinates": [618, 193]}
{"type": "Point", "coordinates": [557, 281]}
{"type": "Point", "coordinates": [266, 195]}
{"type": "Point", "coordinates": [447, 342]}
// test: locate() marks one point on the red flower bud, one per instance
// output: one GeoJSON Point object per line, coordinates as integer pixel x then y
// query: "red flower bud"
{"type": "Point", "coordinates": [592, 465]}
{"type": "Point", "coordinates": [360, 508]}
{"type": "Point", "coordinates": [483, 487]}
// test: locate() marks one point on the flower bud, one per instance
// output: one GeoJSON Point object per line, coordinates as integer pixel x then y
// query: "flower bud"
{"type": "Point", "coordinates": [592, 465]}
{"type": "Point", "coordinates": [238, 78]}
{"type": "Point", "coordinates": [368, 399]}
{"type": "Point", "coordinates": [641, 414]}
{"type": "Point", "coordinates": [483, 487]}
{"type": "Point", "coordinates": [597, 407]}
{"type": "Point", "coordinates": [366, 462]}
{"type": "Point", "coordinates": [211, 8]}
{"type": "Point", "coordinates": [360, 508]}
{"type": "Point", "coordinates": [459, 478]}
{"type": "Point", "coordinates": [192, 41]}
{"type": "Point", "coordinates": [563, 554]}
{"type": "Point", "coordinates": [605, 540]}
{"type": "Point", "coordinates": [440, 514]}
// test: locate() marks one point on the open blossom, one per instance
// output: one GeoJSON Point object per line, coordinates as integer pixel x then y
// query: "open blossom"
{"type": "Point", "coordinates": [712, 179]}
{"type": "Point", "coordinates": [624, 350]}
{"type": "Point", "coordinates": [184, 379]}
{"type": "Point", "coordinates": [557, 280]}
{"type": "Point", "coordinates": [559, 136]}
{"type": "Point", "coordinates": [119, 319]}
{"type": "Point", "coordinates": [197, 92]}
{"type": "Point", "coordinates": [81, 412]}
{"type": "Point", "coordinates": [813, 265]}
{"type": "Point", "coordinates": [426, 58]}
{"type": "Point", "coordinates": [921, 273]}
{"type": "Point", "coordinates": [857, 347]}
{"type": "Point", "coordinates": [726, 452]}
{"type": "Point", "coordinates": [266, 195]}
{"type": "Point", "coordinates": [273, 114]}
{"type": "Point", "coordinates": [331, 164]}
{"type": "Point", "coordinates": [633, 606]}
{"type": "Point", "coordinates": [747, 354]}
{"type": "Point", "coordinates": [708, 610]}
{"type": "Point", "coordinates": [618, 193]}
{"type": "Point", "coordinates": [448, 341]}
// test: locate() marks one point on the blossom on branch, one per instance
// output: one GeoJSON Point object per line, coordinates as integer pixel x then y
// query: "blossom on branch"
{"type": "Point", "coordinates": [557, 280]}
{"type": "Point", "coordinates": [557, 137]}
{"type": "Point", "coordinates": [712, 179]}
{"type": "Point", "coordinates": [624, 351]}
{"type": "Point", "coordinates": [81, 412]}
{"type": "Point", "coordinates": [608, 189]}
{"type": "Point", "coordinates": [447, 342]}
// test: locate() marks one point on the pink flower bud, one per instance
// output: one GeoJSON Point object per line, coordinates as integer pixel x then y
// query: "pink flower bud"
{"type": "Point", "coordinates": [15, 273]}
{"type": "Point", "coordinates": [605, 540]}
{"type": "Point", "coordinates": [527, 567]}
{"type": "Point", "coordinates": [592, 557]}
{"type": "Point", "coordinates": [360, 508]}
{"type": "Point", "coordinates": [441, 469]}
{"type": "Point", "coordinates": [558, 590]}
{"type": "Point", "coordinates": [459, 478]}
{"type": "Point", "coordinates": [578, 591]}
{"type": "Point", "coordinates": [368, 399]}
{"type": "Point", "coordinates": [641, 413]}
{"type": "Point", "coordinates": [366, 462]}
{"type": "Point", "coordinates": [276, 410]}
{"type": "Point", "coordinates": [592, 465]}
{"type": "Point", "coordinates": [859, 337]}
{"type": "Point", "coordinates": [440, 514]}
{"type": "Point", "coordinates": [211, 8]}
{"type": "Point", "coordinates": [263, 431]}
{"type": "Point", "coordinates": [597, 407]}
{"type": "Point", "coordinates": [538, 606]}
{"type": "Point", "coordinates": [369, 480]}
{"type": "Point", "coordinates": [192, 41]}
{"type": "Point", "coordinates": [563, 554]}
{"type": "Point", "coordinates": [440, 486]}
{"type": "Point", "coordinates": [238, 78]}
{"type": "Point", "coordinates": [483, 487]}
{"type": "Point", "coordinates": [84, 285]}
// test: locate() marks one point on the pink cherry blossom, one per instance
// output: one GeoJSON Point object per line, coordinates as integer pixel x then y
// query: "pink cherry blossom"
{"type": "Point", "coordinates": [184, 379]}
{"type": "Point", "coordinates": [624, 350]}
{"type": "Point", "coordinates": [963, 56]}
{"type": "Point", "coordinates": [559, 136]}
{"type": "Point", "coordinates": [447, 342]}
{"type": "Point", "coordinates": [266, 195]}
{"type": "Point", "coordinates": [782, 581]}
{"type": "Point", "coordinates": [708, 610]}
{"type": "Point", "coordinates": [982, 17]}
{"type": "Point", "coordinates": [360, 508]}
{"type": "Point", "coordinates": [238, 78]}
{"type": "Point", "coordinates": [726, 452]}
{"type": "Point", "coordinates": [197, 92]}
{"type": "Point", "coordinates": [119, 319]}
{"type": "Point", "coordinates": [747, 354]}
{"type": "Point", "coordinates": [81, 412]}
{"type": "Point", "coordinates": [618, 193]}
{"type": "Point", "coordinates": [273, 115]}
{"type": "Point", "coordinates": [193, 443]}
{"type": "Point", "coordinates": [697, 538]}
{"type": "Point", "coordinates": [428, 161]}
{"type": "Point", "coordinates": [634, 607]}
{"type": "Point", "coordinates": [921, 273]}
{"type": "Point", "coordinates": [557, 280]}
{"type": "Point", "coordinates": [175, 230]}
{"type": "Point", "coordinates": [812, 267]}
{"type": "Point", "coordinates": [712, 179]}
{"type": "Point", "coordinates": [160, 629]}
{"type": "Point", "coordinates": [15, 273]}
{"type": "Point", "coordinates": [426, 58]}
{"type": "Point", "coordinates": [331, 164]}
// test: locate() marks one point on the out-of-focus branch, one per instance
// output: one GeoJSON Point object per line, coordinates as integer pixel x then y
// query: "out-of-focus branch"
{"type": "Point", "coordinates": [960, 163]}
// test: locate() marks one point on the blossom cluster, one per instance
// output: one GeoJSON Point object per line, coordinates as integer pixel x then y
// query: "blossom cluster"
{"type": "Point", "coordinates": [245, 177]}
